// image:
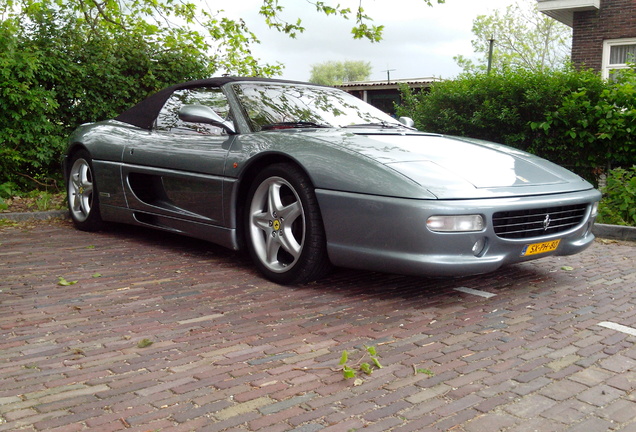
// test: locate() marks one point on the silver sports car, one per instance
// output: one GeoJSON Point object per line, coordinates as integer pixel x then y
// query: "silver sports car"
{"type": "Point", "coordinates": [305, 177]}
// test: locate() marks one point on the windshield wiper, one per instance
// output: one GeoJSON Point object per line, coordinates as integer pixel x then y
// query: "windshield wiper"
{"type": "Point", "coordinates": [292, 125]}
{"type": "Point", "coordinates": [385, 125]}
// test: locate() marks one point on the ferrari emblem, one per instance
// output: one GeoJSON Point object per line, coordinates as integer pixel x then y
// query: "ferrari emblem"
{"type": "Point", "coordinates": [546, 222]}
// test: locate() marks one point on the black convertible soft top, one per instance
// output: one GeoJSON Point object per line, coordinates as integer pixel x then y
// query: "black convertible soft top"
{"type": "Point", "coordinates": [145, 112]}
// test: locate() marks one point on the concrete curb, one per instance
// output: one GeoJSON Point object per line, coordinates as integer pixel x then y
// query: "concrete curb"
{"type": "Point", "coordinates": [614, 232]}
{"type": "Point", "coordinates": [27, 216]}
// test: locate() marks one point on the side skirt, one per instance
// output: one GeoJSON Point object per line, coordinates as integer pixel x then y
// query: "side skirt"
{"type": "Point", "coordinates": [225, 237]}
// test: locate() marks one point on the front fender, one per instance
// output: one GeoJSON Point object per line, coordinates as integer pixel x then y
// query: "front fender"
{"type": "Point", "coordinates": [329, 166]}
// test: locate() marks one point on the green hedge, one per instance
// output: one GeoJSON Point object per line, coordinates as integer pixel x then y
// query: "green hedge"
{"type": "Point", "coordinates": [618, 206]}
{"type": "Point", "coordinates": [573, 118]}
{"type": "Point", "coordinates": [54, 76]}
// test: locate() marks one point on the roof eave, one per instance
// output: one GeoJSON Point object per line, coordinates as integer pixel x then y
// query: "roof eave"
{"type": "Point", "coordinates": [563, 10]}
{"type": "Point", "coordinates": [388, 85]}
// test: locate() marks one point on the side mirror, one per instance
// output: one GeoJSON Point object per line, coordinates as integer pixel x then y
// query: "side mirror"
{"type": "Point", "coordinates": [204, 114]}
{"type": "Point", "coordinates": [407, 121]}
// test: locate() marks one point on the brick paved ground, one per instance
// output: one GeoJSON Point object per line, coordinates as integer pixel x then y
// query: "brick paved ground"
{"type": "Point", "coordinates": [233, 352]}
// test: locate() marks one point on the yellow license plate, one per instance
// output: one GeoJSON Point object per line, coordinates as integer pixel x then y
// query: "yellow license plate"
{"type": "Point", "coordinates": [538, 248]}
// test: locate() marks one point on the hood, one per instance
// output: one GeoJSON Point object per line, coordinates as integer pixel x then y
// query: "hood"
{"type": "Point", "coordinates": [453, 168]}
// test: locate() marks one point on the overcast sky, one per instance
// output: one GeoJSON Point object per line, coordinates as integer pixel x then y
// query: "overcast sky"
{"type": "Point", "coordinates": [419, 41]}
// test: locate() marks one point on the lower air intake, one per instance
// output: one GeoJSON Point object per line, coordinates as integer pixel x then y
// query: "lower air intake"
{"type": "Point", "coordinates": [519, 224]}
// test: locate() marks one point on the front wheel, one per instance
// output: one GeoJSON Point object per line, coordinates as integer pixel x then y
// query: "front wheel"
{"type": "Point", "coordinates": [285, 235]}
{"type": "Point", "coordinates": [83, 201]}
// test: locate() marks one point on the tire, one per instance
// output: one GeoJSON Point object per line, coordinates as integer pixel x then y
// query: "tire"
{"type": "Point", "coordinates": [284, 230]}
{"type": "Point", "coordinates": [82, 195]}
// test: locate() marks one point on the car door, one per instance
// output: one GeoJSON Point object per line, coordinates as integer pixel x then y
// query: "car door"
{"type": "Point", "coordinates": [176, 170]}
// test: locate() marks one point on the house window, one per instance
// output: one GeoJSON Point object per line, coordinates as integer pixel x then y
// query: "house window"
{"type": "Point", "coordinates": [617, 55]}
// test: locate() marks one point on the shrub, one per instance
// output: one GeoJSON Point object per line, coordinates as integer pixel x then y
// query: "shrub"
{"type": "Point", "coordinates": [618, 205]}
{"type": "Point", "coordinates": [30, 138]}
{"type": "Point", "coordinates": [54, 77]}
{"type": "Point", "coordinates": [7, 190]}
{"type": "Point", "coordinates": [596, 124]}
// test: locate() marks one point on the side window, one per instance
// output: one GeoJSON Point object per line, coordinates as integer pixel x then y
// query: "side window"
{"type": "Point", "coordinates": [168, 118]}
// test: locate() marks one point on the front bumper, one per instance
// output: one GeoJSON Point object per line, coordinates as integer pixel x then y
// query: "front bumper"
{"type": "Point", "coordinates": [390, 234]}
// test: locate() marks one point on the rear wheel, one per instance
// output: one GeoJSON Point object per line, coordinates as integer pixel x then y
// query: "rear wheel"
{"type": "Point", "coordinates": [285, 235]}
{"type": "Point", "coordinates": [83, 201]}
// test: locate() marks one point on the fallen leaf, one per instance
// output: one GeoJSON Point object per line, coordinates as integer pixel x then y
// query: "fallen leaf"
{"type": "Point", "coordinates": [63, 282]}
{"type": "Point", "coordinates": [144, 343]}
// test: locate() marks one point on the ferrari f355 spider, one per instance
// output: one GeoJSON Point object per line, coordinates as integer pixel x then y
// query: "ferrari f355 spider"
{"type": "Point", "coordinates": [306, 177]}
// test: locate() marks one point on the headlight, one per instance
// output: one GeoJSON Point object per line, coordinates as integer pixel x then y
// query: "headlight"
{"type": "Point", "coordinates": [460, 223]}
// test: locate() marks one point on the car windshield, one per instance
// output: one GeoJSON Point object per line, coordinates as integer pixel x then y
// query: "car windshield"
{"type": "Point", "coordinates": [281, 106]}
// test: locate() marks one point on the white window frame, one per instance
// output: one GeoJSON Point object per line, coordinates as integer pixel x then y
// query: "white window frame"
{"type": "Point", "coordinates": [607, 46]}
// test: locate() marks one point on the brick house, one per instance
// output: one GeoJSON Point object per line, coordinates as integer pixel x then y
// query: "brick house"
{"type": "Point", "coordinates": [603, 31]}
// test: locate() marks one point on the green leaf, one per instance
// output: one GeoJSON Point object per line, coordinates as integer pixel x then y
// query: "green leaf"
{"type": "Point", "coordinates": [348, 373]}
{"type": "Point", "coordinates": [96, 275]}
{"type": "Point", "coordinates": [372, 351]}
{"type": "Point", "coordinates": [344, 358]}
{"type": "Point", "coordinates": [376, 362]}
{"type": "Point", "coordinates": [63, 282]}
{"type": "Point", "coordinates": [144, 343]}
{"type": "Point", "coordinates": [366, 368]}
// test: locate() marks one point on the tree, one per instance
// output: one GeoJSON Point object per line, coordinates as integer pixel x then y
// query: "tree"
{"type": "Point", "coordinates": [522, 38]}
{"type": "Point", "coordinates": [170, 22]}
{"type": "Point", "coordinates": [335, 73]}
{"type": "Point", "coordinates": [181, 26]}
{"type": "Point", "coordinates": [272, 11]}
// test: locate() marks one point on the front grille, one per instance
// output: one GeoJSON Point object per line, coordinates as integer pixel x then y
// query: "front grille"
{"type": "Point", "coordinates": [520, 224]}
